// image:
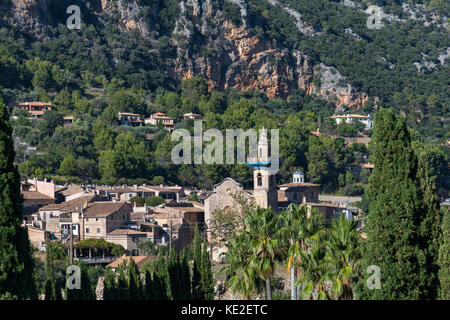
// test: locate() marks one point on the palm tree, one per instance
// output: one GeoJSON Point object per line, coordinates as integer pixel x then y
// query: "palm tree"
{"type": "Point", "coordinates": [299, 229]}
{"type": "Point", "coordinates": [261, 227]}
{"type": "Point", "coordinates": [342, 243]}
{"type": "Point", "coordinates": [317, 272]}
{"type": "Point", "coordinates": [241, 277]}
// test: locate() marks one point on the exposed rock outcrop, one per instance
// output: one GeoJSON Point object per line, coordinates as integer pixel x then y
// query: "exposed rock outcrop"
{"type": "Point", "coordinates": [230, 56]}
{"type": "Point", "coordinates": [31, 16]}
{"type": "Point", "coordinates": [242, 60]}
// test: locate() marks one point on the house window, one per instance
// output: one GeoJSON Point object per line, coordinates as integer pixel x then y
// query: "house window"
{"type": "Point", "coordinates": [295, 196]}
{"type": "Point", "coordinates": [98, 230]}
{"type": "Point", "coordinates": [74, 227]}
{"type": "Point", "coordinates": [87, 230]}
{"type": "Point", "coordinates": [96, 219]}
{"type": "Point", "coordinates": [259, 177]}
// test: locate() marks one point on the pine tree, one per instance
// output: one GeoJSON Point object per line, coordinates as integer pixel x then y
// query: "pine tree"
{"type": "Point", "coordinates": [197, 292]}
{"type": "Point", "coordinates": [16, 272]}
{"type": "Point", "coordinates": [207, 279]}
{"type": "Point", "coordinates": [444, 258]}
{"type": "Point", "coordinates": [398, 231]}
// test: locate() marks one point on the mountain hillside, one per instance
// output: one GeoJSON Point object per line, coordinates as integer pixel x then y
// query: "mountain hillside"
{"type": "Point", "coordinates": [321, 47]}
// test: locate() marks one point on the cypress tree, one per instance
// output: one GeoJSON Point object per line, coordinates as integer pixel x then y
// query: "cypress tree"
{"type": "Point", "coordinates": [149, 289]}
{"type": "Point", "coordinates": [197, 292]}
{"type": "Point", "coordinates": [444, 258]}
{"type": "Point", "coordinates": [174, 276]}
{"type": "Point", "coordinates": [85, 292]}
{"type": "Point", "coordinates": [16, 272]}
{"type": "Point", "coordinates": [207, 281]}
{"type": "Point", "coordinates": [110, 291]}
{"type": "Point", "coordinates": [52, 288]}
{"type": "Point", "coordinates": [398, 231]}
{"type": "Point", "coordinates": [133, 280]}
{"type": "Point", "coordinates": [185, 275]}
{"type": "Point", "coordinates": [122, 286]}
{"type": "Point", "coordinates": [430, 232]}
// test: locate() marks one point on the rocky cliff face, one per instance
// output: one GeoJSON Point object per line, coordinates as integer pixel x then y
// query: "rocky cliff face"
{"type": "Point", "coordinates": [244, 61]}
{"type": "Point", "coordinates": [230, 56]}
{"type": "Point", "coordinates": [31, 16]}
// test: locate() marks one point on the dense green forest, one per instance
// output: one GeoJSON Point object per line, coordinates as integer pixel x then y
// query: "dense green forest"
{"type": "Point", "coordinates": [100, 70]}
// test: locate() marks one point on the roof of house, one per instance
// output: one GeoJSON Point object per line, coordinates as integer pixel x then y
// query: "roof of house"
{"type": "Point", "coordinates": [360, 116]}
{"type": "Point", "coordinates": [129, 114]}
{"type": "Point", "coordinates": [298, 184]}
{"type": "Point", "coordinates": [162, 188]}
{"type": "Point", "coordinates": [69, 190]}
{"type": "Point", "coordinates": [160, 115]}
{"type": "Point", "coordinates": [34, 195]}
{"type": "Point", "coordinates": [71, 205]}
{"type": "Point", "coordinates": [118, 232]}
{"type": "Point", "coordinates": [103, 209]}
{"type": "Point", "coordinates": [189, 209]}
{"type": "Point", "coordinates": [34, 103]}
{"type": "Point", "coordinates": [139, 260]}
{"type": "Point", "coordinates": [190, 114]}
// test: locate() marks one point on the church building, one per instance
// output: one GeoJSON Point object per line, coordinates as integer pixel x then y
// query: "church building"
{"type": "Point", "coordinates": [266, 193]}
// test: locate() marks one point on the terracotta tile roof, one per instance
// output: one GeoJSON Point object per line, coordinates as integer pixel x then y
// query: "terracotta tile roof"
{"type": "Point", "coordinates": [162, 188]}
{"type": "Point", "coordinates": [35, 103]}
{"type": "Point", "coordinates": [139, 260]}
{"type": "Point", "coordinates": [103, 209]}
{"type": "Point", "coordinates": [189, 209]}
{"type": "Point", "coordinates": [118, 232]}
{"type": "Point", "coordinates": [34, 195]}
{"type": "Point", "coordinates": [71, 205]}
{"type": "Point", "coordinates": [129, 114]}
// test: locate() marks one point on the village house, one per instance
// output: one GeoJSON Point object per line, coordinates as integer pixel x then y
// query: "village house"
{"type": "Point", "coordinates": [192, 116]}
{"type": "Point", "coordinates": [195, 216]}
{"type": "Point", "coordinates": [35, 109]}
{"type": "Point", "coordinates": [168, 122]}
{"type": "Point", "coordinates": [130, 119]}
{"type": "Point", "coordinates": [127, 238]}
{"type": "Point", "coordinates": [67, 121]}
{"type": "Point", "coordinates": [155, 232]}
{"type": "Point", "coordinates": [353, 118]}
{"type": "Point", "coordinates": [126, 193]}
{"type": "Point", "coordinates": [36, 194]}
{"type": "Point", "coordinates": [98, 219]}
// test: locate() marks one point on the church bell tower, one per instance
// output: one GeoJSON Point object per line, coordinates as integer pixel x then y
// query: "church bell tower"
{"type": "Point", "coordinates": [264, 182]}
